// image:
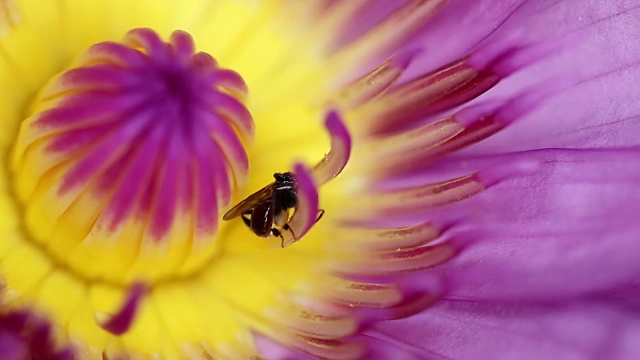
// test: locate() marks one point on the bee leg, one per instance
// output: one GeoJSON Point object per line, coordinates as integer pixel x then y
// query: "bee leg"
{"type": "Point", "coordinates": [247, 221]}
{"type": "Point", "coordinates": [276, 232]}
{"type": "Point", "coordinates": [288, 228]}
{"type": "Point", "coordinates": [320, 214]}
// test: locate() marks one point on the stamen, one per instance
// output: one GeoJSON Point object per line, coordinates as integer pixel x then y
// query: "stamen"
{"type": "Point", "coordinates": [374, 83]}
{"type": "Point", "coordinates": [401, 260]}
{"type": "Point", "coordinates": [387, 205]}
{"type": "Point", "coordinates": [409, 306]}
{"type": "Point", "coordinates": [276, 346]}
{"type": "Point", "coordinates": [307, 208]}
{"type": "Point", "coordinates": [405, 207]}
{"type": "Point", "coordinates": [310, 323]}
{"type": "Point", "coordinates": [399, 153]}
{"type": "Point", "coordinates": [120, 322]}
{"type": "Point", "coordinates": [328, 349]}
{"type": "Point", "coordinates": [450, 86]}
{"type": "Point", "coordinates": [334, 162]}
{"type": "Point", "coordinates": [352, 238]}
{"type": "Point", "coordinates": [353, 293]}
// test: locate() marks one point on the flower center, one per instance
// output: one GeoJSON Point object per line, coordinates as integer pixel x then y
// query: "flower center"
{"type": "Point", "coordinates": [130, 156]}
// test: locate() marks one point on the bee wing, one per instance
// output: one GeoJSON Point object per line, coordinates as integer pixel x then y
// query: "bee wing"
{"type": "Point", "coordinates": [250, 202]}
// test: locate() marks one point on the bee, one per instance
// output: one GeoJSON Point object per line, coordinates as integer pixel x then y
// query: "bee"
{"type": "Point", "coordinates": [269, 206]}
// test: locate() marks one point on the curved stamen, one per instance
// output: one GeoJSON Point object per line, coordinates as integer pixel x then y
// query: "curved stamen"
{"type": "Point", "coordinates": [414, 149]}
{"type": "Point", "coordinates": [452, 85]}
{"type": "Point", "coordinates": [376, 82]}
{"type": "Point", "coordinates": [306, 213]}
{"type": "Point", "coordinates": [408, 206]}
{"type": "Point", "coordinates": [334, 162]}
{"type": "Point", "coordinates": [400, 260]}
{"type": "Point", "coordinates": [311, 323]}
{"type": "Point", "coordinates": [119, 322]}
{"type": "Point", "coordinates": [352, 238]}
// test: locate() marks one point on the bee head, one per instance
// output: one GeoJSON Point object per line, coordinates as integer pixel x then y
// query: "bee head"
{"type": "Point", "coordinates": [284, 177]}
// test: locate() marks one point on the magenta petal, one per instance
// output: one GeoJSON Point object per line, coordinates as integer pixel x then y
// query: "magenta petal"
{"type": "Point", "coordinates": [475, 330]}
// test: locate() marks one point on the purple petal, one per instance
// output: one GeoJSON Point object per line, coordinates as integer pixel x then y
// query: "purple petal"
{"type": "Point", "coordinates": [476, 330]}
{"type": "Point", "coordinates": [600, 110]}
{"type": "Point", "coordinates": [569, 229]}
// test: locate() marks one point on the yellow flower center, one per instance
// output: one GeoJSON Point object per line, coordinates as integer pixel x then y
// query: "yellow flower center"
{"type": "Point", "coordinates": [104, 201]}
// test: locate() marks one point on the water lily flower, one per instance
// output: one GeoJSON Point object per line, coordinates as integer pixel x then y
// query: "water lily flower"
{"type": "Point", "coordinates": [453, 179]}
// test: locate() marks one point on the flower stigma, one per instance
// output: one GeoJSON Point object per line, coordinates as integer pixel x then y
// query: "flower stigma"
{"type": "Point", "coordinates": [129, 157]}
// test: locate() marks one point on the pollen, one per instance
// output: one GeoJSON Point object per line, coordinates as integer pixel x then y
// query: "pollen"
{"type": "Point", "coordinates": [129, 157]}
